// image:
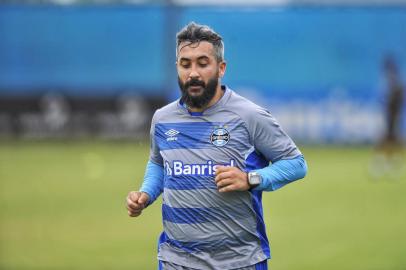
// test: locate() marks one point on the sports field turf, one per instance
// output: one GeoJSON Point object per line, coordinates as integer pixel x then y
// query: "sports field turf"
{"type": "Point", "coordinates": [62, 207]}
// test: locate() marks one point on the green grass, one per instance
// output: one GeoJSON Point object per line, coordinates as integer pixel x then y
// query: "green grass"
{"type": "Point", "coordinates": [62, 206]}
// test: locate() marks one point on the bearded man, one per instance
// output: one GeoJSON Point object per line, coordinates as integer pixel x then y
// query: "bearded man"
{"type": "Point", "coordinates": [213, 154]}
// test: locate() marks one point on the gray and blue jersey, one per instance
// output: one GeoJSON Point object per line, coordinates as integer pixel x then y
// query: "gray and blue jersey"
{"type": "Point", "coordinates": [203, 228]}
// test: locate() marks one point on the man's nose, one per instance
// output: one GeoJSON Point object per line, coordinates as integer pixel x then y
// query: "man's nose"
{"type": "Point", "coordinates": [194, 74]}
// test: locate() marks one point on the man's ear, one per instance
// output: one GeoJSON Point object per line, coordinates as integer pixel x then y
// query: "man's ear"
{"type": "Point", "coordinates": [222, 68]}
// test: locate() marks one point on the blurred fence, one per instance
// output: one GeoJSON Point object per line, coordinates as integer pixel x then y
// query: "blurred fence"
{"type": "Point", "coordinates": [319, 70]}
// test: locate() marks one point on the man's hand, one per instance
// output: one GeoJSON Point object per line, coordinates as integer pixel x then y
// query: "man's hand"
{"type": "Point", "coordinates": [136, 202]}
{"type": "Point", "coordinates": [231, 179]}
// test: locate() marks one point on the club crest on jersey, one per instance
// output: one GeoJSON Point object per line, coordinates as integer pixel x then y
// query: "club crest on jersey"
{"type": "Point", "coordinates": [219, 137]}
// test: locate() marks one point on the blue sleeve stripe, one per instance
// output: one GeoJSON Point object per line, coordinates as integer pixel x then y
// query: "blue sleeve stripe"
{"type": "Point", "coordinates": [282, 172]}
{"type": "Point", "coordinates": [153, 181]}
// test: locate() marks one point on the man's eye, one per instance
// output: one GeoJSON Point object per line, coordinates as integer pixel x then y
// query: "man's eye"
{"type": "Point", "coordinates": [203, 64]}
{"type": "Point", "coordinates": [185, 65]}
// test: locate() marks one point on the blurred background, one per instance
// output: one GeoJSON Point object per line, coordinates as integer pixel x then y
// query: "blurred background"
{"type": "Point", "coordinates": [80, 80]}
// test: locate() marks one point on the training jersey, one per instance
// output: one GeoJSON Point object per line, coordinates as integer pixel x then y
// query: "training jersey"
{"type": "Point", "coordinates": [203, 228]}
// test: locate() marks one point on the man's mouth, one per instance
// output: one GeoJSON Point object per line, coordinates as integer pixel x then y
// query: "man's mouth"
{"type": "Point", "coordinates": [195, 88]}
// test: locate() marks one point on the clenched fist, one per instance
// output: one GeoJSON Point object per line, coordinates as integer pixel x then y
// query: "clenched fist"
{"type": "Point", "coordinates": [136, 202]}
{"type": "Point", "coordinates": [231, 179]}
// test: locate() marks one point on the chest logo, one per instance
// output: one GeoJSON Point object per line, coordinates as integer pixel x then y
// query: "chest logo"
{"type": "Point", "coordinates": [220, 137]}
{"type": "Point", "coordinates": [171, 135]}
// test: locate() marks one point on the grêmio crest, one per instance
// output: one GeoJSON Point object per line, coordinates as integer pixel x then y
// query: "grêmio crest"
{"type": "Point", "coordinates": [219, 137]}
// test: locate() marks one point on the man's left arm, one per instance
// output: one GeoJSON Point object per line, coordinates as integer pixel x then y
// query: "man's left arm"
{"type": "Point", "coordinates": [273, 177]}
{"type": "Point", "coordinates": [274, 145]}
{"type": "Point", "coordinates": [281, 172]}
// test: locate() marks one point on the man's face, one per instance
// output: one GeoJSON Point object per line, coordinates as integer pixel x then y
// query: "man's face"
{"type": "Point", "coordinates": [198, 73]}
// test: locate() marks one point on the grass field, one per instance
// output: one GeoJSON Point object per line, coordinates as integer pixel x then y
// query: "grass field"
{"type": "Point", "coordinates": [62, 207]}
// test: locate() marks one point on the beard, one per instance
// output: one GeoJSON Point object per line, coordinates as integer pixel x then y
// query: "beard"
{"type": "Point", "coordinates": [198, 101]}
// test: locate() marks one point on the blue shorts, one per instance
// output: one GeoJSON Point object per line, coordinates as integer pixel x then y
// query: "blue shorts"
{"type": "Point", "coordinates": [171, 266]}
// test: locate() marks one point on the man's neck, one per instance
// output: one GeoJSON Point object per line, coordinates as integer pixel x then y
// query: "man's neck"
{"type": "Point", "coordinates": [219, 94]}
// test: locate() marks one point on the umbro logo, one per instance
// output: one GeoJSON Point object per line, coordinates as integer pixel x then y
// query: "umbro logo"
{"type": "Point", "coordinates": [171, 132]}
{"type": "Point", "coordinates": [171, 135]}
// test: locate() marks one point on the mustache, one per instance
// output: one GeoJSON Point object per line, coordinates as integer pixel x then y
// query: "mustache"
{"type": "Point", "coordinates": [194, 82]}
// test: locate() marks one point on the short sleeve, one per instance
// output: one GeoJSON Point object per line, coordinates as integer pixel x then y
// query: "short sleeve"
{"type": "Point", "coordinates": [269, 138]}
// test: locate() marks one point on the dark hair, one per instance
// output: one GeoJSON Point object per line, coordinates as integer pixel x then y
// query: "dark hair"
{"type": "Point", "coordinates": [195, 33]}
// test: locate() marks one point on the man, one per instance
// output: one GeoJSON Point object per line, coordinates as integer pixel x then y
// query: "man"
{"type": "Point", "coordinates": [388, 159]}
{"type": "Point", "coordinates": [210, 158]}
{"type": "Point", "coordinates": [394, 106]}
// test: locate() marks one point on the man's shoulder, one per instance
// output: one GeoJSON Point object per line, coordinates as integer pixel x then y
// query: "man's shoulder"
{"type": "Point", "coordinates": [166, 111]}
{"type": "Point", "coordinates": [173, 106]}
{"type": "Point", "coordinates": [238, 100]}
{"type": "Point", "coordinates": [244, 107]}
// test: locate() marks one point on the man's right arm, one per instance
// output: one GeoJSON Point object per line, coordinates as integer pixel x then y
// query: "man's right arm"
{"type": "Point", "coordinates": [151, 188]}
{"type": "Point", "coordinates": [153, 183]}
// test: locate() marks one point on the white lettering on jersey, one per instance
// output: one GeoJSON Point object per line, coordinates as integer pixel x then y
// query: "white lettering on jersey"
{"type": "Point", "coordinates": [208, 168]}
